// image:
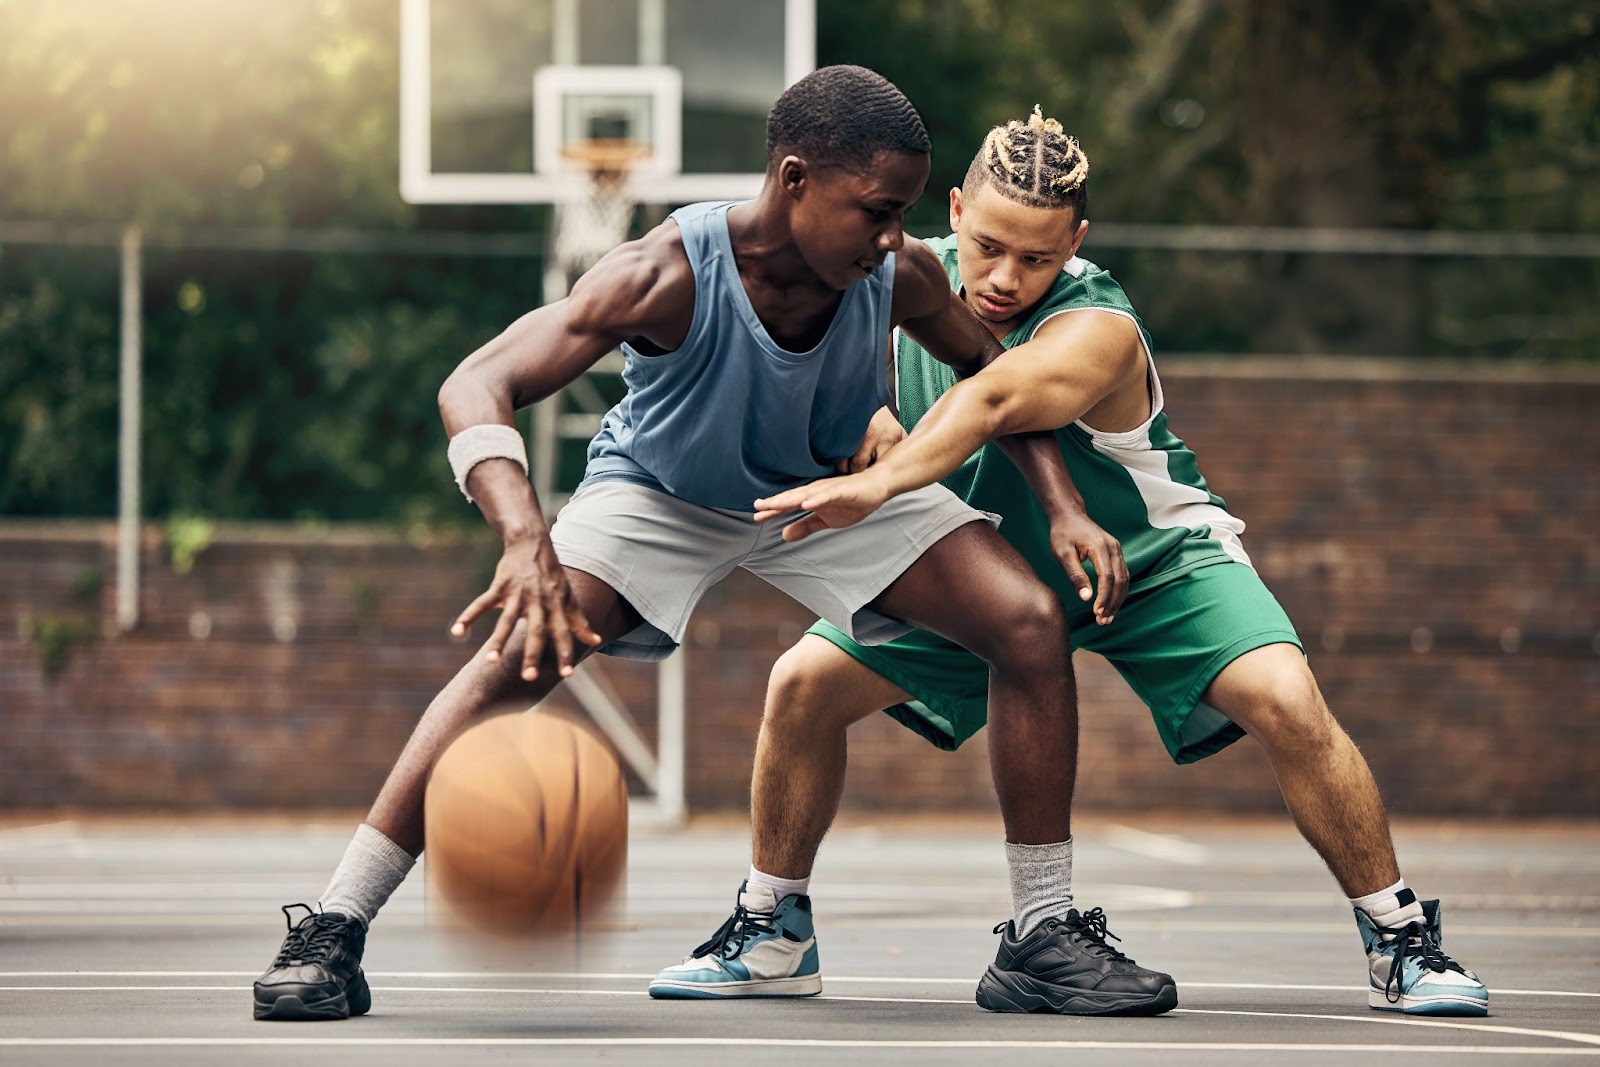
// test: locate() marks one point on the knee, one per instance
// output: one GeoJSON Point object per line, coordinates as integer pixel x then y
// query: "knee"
{"type": "Point", "coordinates": [790, 682]}
{"type": "Point", "coordinates": [1286, 714]}
{"type": "Point", "coordinates": [803, 693]}
{"type": "Point", "coordinates": [1030, 634]}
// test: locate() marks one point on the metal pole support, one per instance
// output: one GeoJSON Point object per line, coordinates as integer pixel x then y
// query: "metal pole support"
{"type": "Point", "coordinates": [130, 409]}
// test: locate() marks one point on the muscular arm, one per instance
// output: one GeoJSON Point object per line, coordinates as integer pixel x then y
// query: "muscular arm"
{"type": "Point", "coordinates": [1069, 366]}
{"type": "Point", "coordinates": [641, 292]}
{"type": "Point", "coordinates": [934, 316]}
{"type": "Point", "coordinates": [938, 320]}
{"type": "Point", "coordinates": [1072, 363]}
{"type": "Point", "coordinates": [637, 291]}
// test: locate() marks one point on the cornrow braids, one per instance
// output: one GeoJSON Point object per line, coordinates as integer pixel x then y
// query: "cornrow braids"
{"type": "Point", "coordinates": [844, 116]}
{"type": "Point", "coordinates": [1034, 162]}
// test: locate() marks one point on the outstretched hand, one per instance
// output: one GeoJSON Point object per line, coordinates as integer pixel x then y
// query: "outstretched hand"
{"type": "Point", "coordinates": [833, 503]}
{"type": "Point", "coordinates": [530, 585]}
{"type": "Point", "coordinates": [1076, 538]}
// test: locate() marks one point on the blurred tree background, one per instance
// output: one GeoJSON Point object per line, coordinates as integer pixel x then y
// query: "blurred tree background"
{"type": "Point", "coordinates": [301, 385]}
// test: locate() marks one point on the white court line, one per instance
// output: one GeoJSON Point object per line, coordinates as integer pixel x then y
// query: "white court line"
{"type": "Point", "coordinates": [1391, 1019]}
{"type": "Point", "coordinates": [623, 976]}
{"type": "Point", "coordinates": [755, 1042]}
{"type": "Point", "coordinates": [1395, 1019]}
{"type": "Point", "coordinates": [40, 828]}
{"type": "Point", "coordinates": [1156, 846]}
{"type": "Point", "coordinates": [1206, 926]}
{"type": "Point", "coordinates": [385, 990]}
{"type": "Point", "coordinates": [62, 890]}
{"type": "Point", "coordinates": [413, 919]}
{"type": "Point", "coordinates": [464, 990]}
{"type": "Point", "coordinates": [1494, 991]}
{"type": "Point", "coordinates": [1384, 1020]}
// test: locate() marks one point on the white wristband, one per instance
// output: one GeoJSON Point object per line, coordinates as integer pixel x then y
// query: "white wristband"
{"type": "Point", "coordinates": [488, 440]}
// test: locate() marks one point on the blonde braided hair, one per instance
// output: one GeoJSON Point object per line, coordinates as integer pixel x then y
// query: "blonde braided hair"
{"type": "Point", "coordinates": [1034, 162]}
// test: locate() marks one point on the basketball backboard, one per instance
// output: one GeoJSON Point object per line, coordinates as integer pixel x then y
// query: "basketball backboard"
{"type": "Point", "coordinates": [492, 92]}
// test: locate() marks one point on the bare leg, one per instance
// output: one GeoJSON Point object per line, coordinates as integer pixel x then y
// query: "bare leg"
{"type": "Point", "coordinates": [397, 813]}
{"type": "Point", "coordinates": [973, 588]}
{"type": "Point", "coordinates": [815, 692]}
{"type": "Point", "coordinates": [1326, 783]}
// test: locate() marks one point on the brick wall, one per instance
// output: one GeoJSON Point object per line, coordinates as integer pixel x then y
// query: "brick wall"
{"type": "Point", "coordinates": [1430, 529]}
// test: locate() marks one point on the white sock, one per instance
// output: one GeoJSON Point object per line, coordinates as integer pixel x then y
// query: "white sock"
{"type": "Point", "coordinates": [1041, 882]}
{"type": "Point", "coordinates": [1392, 908]}
{"type": "Point", "coordinates": [777, 887]}
{"type": "Point", "coordinates": [372, 869]}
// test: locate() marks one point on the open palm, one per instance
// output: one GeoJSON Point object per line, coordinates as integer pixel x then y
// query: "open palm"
{"type": "Point", "coordinates": [833, 503]}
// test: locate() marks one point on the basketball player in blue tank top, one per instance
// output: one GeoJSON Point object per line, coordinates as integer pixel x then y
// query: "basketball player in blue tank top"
{"type": "Point", "coordinates": [756, 337]}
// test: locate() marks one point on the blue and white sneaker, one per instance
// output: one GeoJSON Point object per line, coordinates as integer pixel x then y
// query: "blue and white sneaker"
{"type": "Point", "coordinates": [1408, 971]}
{"type": "Point", "coordinates": [767, 948]}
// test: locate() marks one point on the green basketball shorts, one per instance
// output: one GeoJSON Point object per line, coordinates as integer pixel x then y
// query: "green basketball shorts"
{"type": "Point", "coordinates": [1170, 641]}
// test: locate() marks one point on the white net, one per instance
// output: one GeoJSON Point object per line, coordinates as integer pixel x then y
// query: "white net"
{"type": "Point", "coordinates": [591, 227]}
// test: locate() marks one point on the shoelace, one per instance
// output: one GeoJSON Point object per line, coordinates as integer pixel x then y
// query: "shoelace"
{"type": "Point", "coordinates": [1090, 926]}
{"type": "Point", "coordinates": [311, 940]}
{"type": "Point", "coordinates": [1415, 941]}
{"type": "Point", "coordinates": [729, 941]}
{"type": "Point", "coordinates": [1090, 929]}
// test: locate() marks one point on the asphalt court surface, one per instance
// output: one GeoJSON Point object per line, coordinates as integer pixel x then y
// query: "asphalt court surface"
{"type": "Point", "coordinates": [135, 942]}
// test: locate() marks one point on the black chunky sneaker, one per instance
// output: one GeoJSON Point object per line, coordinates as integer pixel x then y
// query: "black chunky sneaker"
{"type": "Point", "coordinates": [317, 974]}
{"type": "Point", "coordinates": [1065, 967]}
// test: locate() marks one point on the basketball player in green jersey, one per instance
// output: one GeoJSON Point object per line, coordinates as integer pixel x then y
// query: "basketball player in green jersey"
{"type": "Point", "coordinates": [1198, 637]}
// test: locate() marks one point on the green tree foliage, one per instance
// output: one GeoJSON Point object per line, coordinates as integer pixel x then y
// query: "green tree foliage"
{"type": "Point", "coordinates": [276, 385]}
{"type": "Point", "coordinates": [58, 383]}
{"type": "Point", "coordinates": [1387, 113]}
{"type": "Point", "coordinates": [189, 111]}
{"type": "Point", "coordinates": [292, 385]}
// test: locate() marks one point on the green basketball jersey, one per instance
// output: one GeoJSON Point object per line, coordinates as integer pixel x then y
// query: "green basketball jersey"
{"type": "Point", "coordinates": [1142, 486]}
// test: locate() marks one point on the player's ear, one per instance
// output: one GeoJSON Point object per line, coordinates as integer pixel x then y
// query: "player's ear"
{"type": "Point", "coordinates": [955, 209]}
{"type": "Point", "coordinates": [793, 175]}
{"type": "Point", "coordinates": [1077, 237]}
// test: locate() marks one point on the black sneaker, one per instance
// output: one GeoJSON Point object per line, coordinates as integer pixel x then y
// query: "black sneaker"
{"type": "Point", "coordinates": [1065, 967]}
{"type": "Point", "coordinates": [317, 974]}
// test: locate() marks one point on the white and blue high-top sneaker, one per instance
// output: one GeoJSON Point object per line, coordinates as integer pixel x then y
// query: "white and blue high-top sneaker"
{"type": "Point", "coordinates": [767, 948]}
{"type": "Point", "coordinates": [1408, 971]}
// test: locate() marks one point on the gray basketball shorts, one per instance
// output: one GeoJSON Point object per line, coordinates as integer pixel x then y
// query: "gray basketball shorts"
{"type": "Point", "coordinates": [662, 554]}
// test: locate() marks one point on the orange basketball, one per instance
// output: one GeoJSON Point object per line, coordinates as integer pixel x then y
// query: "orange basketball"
{"type": "Point", "coordinates": [527, 825]}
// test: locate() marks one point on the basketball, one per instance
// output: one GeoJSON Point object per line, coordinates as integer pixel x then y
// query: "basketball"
{"type": "Point", "coordinates": [526, 825]}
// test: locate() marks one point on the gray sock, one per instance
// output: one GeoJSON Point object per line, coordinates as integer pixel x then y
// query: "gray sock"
{"type": "Point", "coordinates": [372, 869]}
{"type": "Point", "coordinates": [1041, 882]}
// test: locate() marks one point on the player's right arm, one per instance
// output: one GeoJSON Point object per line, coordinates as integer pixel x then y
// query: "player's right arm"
{"type": "Point", "coordinates": [936, 317]}
{"type": "Point", "coordinates": [642, 292]}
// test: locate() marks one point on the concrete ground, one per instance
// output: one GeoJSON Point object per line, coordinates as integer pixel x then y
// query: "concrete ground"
{"type": "Point", "coordinates": [135, 941]}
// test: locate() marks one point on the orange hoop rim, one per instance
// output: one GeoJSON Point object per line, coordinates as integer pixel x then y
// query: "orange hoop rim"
{"type": "Point", "coordinates": [603, 155]}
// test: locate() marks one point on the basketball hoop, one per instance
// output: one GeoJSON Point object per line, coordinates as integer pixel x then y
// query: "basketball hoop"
{"type": "Point", "coordinates": [587, 229]}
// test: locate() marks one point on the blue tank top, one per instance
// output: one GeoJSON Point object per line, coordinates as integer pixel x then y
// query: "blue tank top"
{"type": "Point", "coordinates": [729, 416]}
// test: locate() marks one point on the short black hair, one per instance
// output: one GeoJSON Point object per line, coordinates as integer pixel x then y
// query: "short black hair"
{"type": "Point", "coordinates": [844, 117]}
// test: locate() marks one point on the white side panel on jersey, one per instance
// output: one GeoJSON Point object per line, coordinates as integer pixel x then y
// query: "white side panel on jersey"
{"type": "Point", "coordinates": [1170, 503]}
